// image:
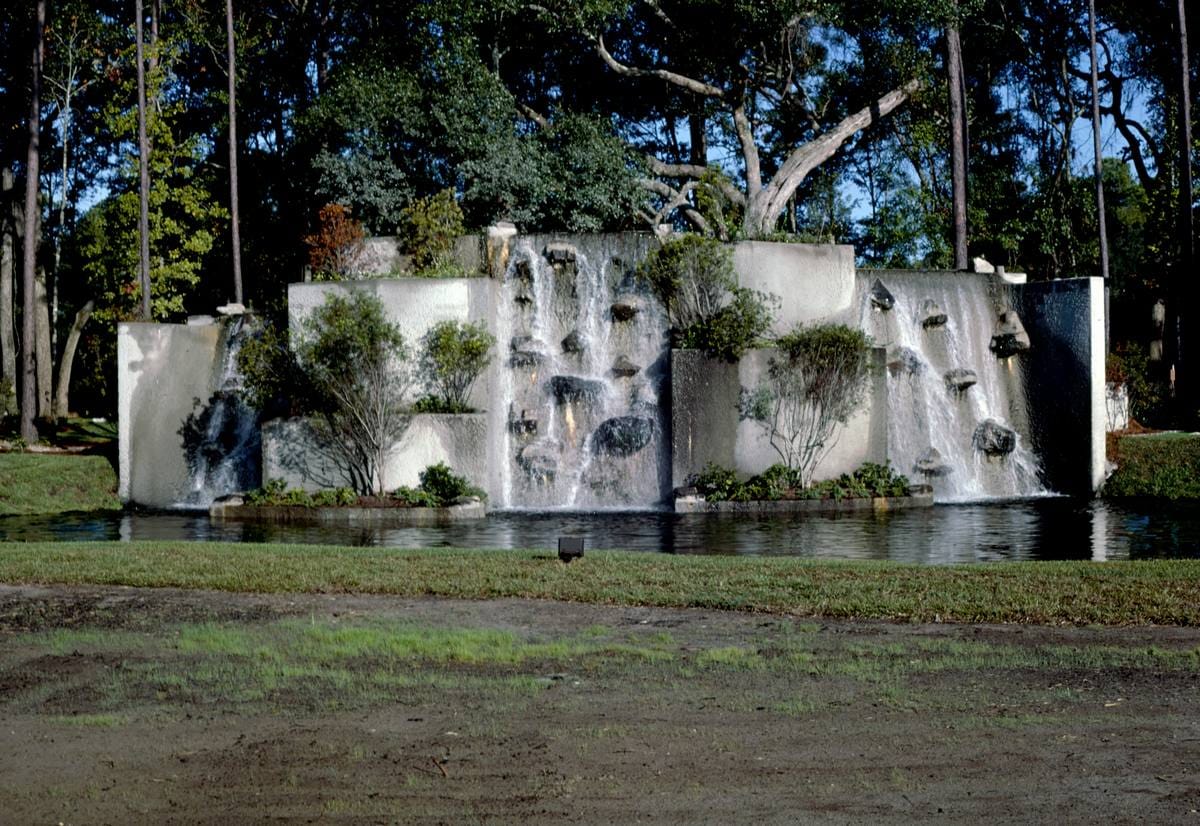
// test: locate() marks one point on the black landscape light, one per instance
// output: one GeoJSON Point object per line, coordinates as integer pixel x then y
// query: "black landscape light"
{"type": "Point", "coordinates": [570, 548]}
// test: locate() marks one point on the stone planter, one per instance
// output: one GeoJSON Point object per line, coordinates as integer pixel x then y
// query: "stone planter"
{"type": "Point", "coordinates": [348, 516]}
{"type": "Point", "coordinates": [698, 504]}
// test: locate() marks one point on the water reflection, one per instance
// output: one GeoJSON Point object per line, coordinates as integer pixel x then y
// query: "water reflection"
{"type": "Point", "coordinates": [1039, 529]}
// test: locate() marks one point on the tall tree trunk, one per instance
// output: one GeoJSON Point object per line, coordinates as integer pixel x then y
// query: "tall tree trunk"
{"type": "Point", "coordinates": [43, 353]}
{"type": "Point", "coordinates": [958, 146]}
{"type": "Point", "coordinates": [1096, 140]}
{"type": "Point", "coordinates": [1187, 336]}
{"type": "Point", "coordinates": [235, 239]}
{"type": "Point", "coordinates": [8, 338]}
{"type": "Point", "coordinates": [143, 171]}
{"type": "Point", "coordinates": [62, 404]}
{"type": "Point", "coordinates": [29, 258]}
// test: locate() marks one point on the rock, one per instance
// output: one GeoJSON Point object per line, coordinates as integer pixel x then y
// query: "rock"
{"type": "Point", "coordinates": [931, 463]}
{"type": "Point", "coordinates": [523, 297]}
{"type": "Point", "coordinates": [560, 252]}
{"type": "Point", "coordinates": [994, 439]}
{"type": "Point", "coordinates": [981, 265]}
{"type": "Point", "coordinates": [1010, 337]}
{"type": "Point", "coordinates": [200, 320]}
{"type": "Point", "coordinates": [526, 351]}
{"type": "Point", "coordinates": [498, 244]}
{"type": "Point", "coordinates": [881, 297]}
{"type": "Point", "coordinates": [624, 368]}
{"type": "Point", "coordinates": [623, 436]}
{"type": "Point", "coordinates": [571, 389]}
{"type": "Point", "coordinates": [539, 459]}
{"type": "Point", "coordinates": [466, 499]}
{"type": "Point", "coordinates": [523, 425]}
{"type": "Point", "coordinates": [575, 342]}
{"type": "Point", "coordinates": [523, 270]}
{"type": "Point", "coordinates": [932, 315]}
{"type": "Point", "coordinates": [959, 380]}
{"type": "Point", "coordinates": [904, 361]}
{"type": "Point", "coordinates": [233, 308]}
{"type": "Point", "coordinates": [624, 309]}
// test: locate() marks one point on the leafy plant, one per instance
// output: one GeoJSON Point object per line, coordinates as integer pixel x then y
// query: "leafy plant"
{"type": "Point", "coordinates": [440, 482]}
{"type": "Point", "coordinates": [274, 383]}
{"type": "Point", "coordinates": [812, 386]}
{"type": "Point", "coordinates": [781, 482]}
{"type": "Point", "coordinates": [356, 362]}
{"type": "Point", "coordinates": [428, 229]}
{"type": "Point", "coordinates": [453, 355]}
{"type": "Point", "coordinates": [276, 493]}
{"type": "Point", "coordinates": [335, 248]}
{"type": "Point", "coordinates": [1130, 365]}
{"type": "Point", "coordinates": [693, 277]}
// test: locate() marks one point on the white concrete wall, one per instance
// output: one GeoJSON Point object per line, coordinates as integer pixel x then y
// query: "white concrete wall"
{"type": "Point", "coordinates": [162, 369]}
{"type": "Point", "coordinates": [1096, 378]}
{"type": "Point", "coordinates": [813, 282]}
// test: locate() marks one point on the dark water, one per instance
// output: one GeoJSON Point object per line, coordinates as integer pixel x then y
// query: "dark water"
{"type": "Point", "coordinates": [1039, 529]}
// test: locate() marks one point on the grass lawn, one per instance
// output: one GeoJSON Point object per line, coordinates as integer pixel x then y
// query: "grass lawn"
{"type": "Point", "coordinates": [1165, 592]}
{"type": "Point", "coordinates": [47, 483]}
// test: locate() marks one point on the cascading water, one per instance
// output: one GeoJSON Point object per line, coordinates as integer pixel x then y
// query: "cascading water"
{"type": "Point", "coordinates": [957, 415]}
{"type": "Point", "coordinates": [584, 365]}
{"type": "Point", "coordinates": [221, 437]}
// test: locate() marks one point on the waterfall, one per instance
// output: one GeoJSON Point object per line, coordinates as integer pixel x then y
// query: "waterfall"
{"type": "Point", "coordinates": [957, 414]}
{"type": "Point", "coordinates": [584, 368]}
{"type": "Point", "coordinates": [221, 436]}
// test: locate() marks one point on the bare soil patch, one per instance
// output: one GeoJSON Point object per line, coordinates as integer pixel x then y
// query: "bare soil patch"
{"type": "Point", "coordinates": [143, 705]}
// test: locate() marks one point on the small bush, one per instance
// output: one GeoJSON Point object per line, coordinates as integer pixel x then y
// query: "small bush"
{"type": "Point", "coordinates": [440, 482]}
{"type": "Point", "coordinates": [335, 248]}
{"type": "Point", "coordinates": [1130, 365]}
{"type": "Point", "coordinates": [452, 357]}
{"type": "Point", "coordinates": [1164, 466]}
{"type": "Point", "coordinates": [779, 481]}
{"type": "Point", "coordinates": [733, 329]}
{"type": "Point", "coordinates": [274, 383]}
{"type": "Point", "coordinates": [428, 229]}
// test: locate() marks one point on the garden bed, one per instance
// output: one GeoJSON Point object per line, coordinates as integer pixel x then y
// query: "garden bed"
{"type": "Point", "coordinates": [698, 504]}
{"type": "Point", "coordinates": [388, 516]}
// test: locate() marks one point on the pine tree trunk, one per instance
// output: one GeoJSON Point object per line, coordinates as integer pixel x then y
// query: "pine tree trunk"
{"type": "Point", "coordinates": [1096, 141]}
{"type": "Point", "coordinates": [8, 338]}
{"type": "Point", "coordinates": [62, 404]}
{"type": "Point", "coordinates": [29, 258]}
{"type": "Point", "coordinates": [958, 146]}
{"type": "Point", "coordinates": [143, 171]}
{"type": "Point", "coordinates": [42, 352]}
{"type": "Point", "coordinates": [235, 240]}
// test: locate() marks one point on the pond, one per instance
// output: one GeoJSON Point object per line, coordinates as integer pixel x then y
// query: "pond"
{"type": "Point", "coordinates": [1046, 529]}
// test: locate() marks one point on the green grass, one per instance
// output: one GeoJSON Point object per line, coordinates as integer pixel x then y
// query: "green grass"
{"type": "Point", "coordinates": [32, 483]}
{"type": "Point", "coordinates": [1162, 465]}
{"type": "Point", "coordinates": [1165, 592]}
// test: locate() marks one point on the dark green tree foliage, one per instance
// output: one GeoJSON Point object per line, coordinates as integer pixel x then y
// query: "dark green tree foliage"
{"type": "Point", "coordinates": [428, 230]}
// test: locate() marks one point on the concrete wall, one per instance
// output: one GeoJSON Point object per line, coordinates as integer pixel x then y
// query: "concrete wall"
{"type": "Point", "coordinates": [814, 282]}
{"type": "Point", "coordinates": [1065, 370]}
{"type": "Point", "coordinates": [381, 256]}
{"type": "Point", "coordinates": [163, 370]}
{"type": "Point", "coordinates": [292, 451]}
{"type": "Point", "coordinates": [415, 304]}
{"type": "Point", "coordinates": [706, 427]}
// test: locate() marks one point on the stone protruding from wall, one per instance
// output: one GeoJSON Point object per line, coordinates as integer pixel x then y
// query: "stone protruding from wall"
{"type": "Point", "coordinates": [162, 371]}
{"type": "Point", "coordinates": [813, 282]}
{"type": "Point", "coordinates": [706, 426]}
{"type": "Point", "coordinates": [293, 452]}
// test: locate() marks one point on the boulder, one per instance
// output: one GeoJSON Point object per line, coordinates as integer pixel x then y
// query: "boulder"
{"type": "Point", "coordinates": [623, 436]}
{"type": "Point", "coordinates": [625, 308]}
{"type": "Point", "coordinates": [959, 380]}
{"type": "Point", "coordinates": [881, 297]}
{"type": "Point", "coordinates": [575, 342]}
{"type": "Point", "coordinates": [1010, 337]}
{"type": "Point", "coordinates": [904, 361]}
{"type": "Point", "coordinates": [571, 389]}
{"type": "Point", "coordinates": [526, 351]}
{"type": "Point", "coordinates": [523, 425]}
{"type": "Point", "coordinates": [932, 314]}
{"type": "Point", "coordinates": [931, 464]}
{"type": "Point", "coordinates": [560, 252]}
{"type": "Point", "coordinates": [624, 368]}
{"type": "Point", "coordinates": [994, 439]}
{"type": "Point", "coordinates": [523, 270]}
{"type": "Point", "coordinates": [539, 459]}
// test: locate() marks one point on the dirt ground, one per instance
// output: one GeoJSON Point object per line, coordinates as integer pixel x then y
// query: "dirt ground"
{"type": "Point", "coordinates": [158, 706]}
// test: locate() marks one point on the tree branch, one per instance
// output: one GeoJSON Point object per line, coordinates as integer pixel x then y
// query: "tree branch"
{"type": "Point", "coordinates": [695, 171]}
{"type": "Point", "coordinates": [697, 86]}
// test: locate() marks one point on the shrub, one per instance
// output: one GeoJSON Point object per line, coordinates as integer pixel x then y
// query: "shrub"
{"type": "Point", "coordinates": [694, 279]}
{"type": "Point", "coordinates": [779, 481]}
{"type": "Point", "coordinates": [1130, 365]}
{"type": "Point", "coordinates": [814, 385]}
{"type": "Point", "coordinates": [428, 228]}
{"type": "Point", "coordinates": [452, 357]}
{"type": "Point", "coordinates": [440, 482]}
{"type": "Point", "coordinates": [274, 383]}
{"type": "Point", "coordinates": [356, 362]}
{"type": "Point", "coordinates": [337, 245]}
{"type": "Point", "coordinates": [276, 492]}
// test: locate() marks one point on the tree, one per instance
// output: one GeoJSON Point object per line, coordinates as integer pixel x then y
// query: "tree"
{"type": "Point", "coordinates": [29, 260]}
{"type": "Point", "coordinates": [356, 361]}
{"type": "Point", "coordinates": [958, 143]}
{"type": "Point", "coordinates": [453, 355]}
{"type": "Point", "coordinates": [813, 385]}
{"type": "Point", "coordinates": [143, 171]}
{"type": "Point", "coordinates": [234, 232]}
{"type": "Point", "coordinates": [334, 250]}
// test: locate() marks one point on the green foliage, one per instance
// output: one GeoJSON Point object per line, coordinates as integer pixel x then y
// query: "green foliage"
{"type": "Point", "coordinates": [276, 493]}
{"type": "Point", "coordinates": [693, 277]}
{"type": "Point", "coordinates": [428, 228]}
{"type": "Point", "coordinates": [453, 354]}
{"type": "Point", "coordinates": [274, 382]}
{"type": "Point", "coordinates": [440, 482]}
{"type": "Point", "coordinates": [778, 482]}
{"type": "Point", "coordinates": [1164, 466]}
{"type": "Point", "coordinates": [1130, 365]}
{"type": "Point", "coordinates": [813, 386]}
